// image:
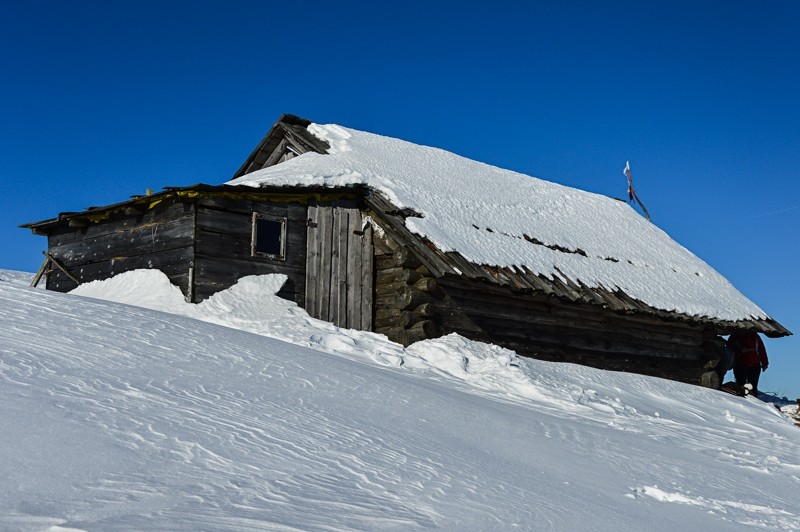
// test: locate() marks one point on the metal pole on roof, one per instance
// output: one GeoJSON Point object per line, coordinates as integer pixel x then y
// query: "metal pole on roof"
{"type": "Point", "coordinates": [632, 196]}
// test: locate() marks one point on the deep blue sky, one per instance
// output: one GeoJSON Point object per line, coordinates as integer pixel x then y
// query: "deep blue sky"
{"type": "Point", "coordinates": [101, 100]}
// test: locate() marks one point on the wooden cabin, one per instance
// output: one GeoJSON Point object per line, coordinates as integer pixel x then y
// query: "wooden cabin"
{"type": "Point", "coordinates": [355, 254]}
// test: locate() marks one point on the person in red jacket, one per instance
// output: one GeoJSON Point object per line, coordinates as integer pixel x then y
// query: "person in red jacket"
{"type": "Point", "coordinates": [750, 358]}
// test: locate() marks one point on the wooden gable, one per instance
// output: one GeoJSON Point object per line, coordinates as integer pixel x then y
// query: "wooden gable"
{"type": "Point", "coordinates": [288, 138]}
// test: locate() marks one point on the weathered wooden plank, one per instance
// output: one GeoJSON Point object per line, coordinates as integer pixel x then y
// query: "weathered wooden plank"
{"type": "Point", "coordinates": [523, 304]}
{"type": "Point", "coordinates": [570, 343]}
{"type": "Point", "coordinates": [174, 263]}
{"type": "Point", "coordinates": [169, 261]}
{"type": "Point", "coordinates": [293, 210]}
{"type": "Point", "coordinates": [597, 340]}
{"type": "Point", "coordinates": [336, 272]}
{"type": "Point", "coordinates": [325, 234]}
{"type": "Point", "coordinates": [42, 270]}
{"type": "Point", "coordinates": [469, 269]}
{"type": "Point", "coordinates": [126, 232]}
{"type": "Point", "coordinates": [499, 327]}
{"type": "Point", "coordinates": [116, 222]}
{"type": "Point", "coordinates": [226, 272]}
{"type": "Point", "coordinates": [396, 225]}
{"type": "Point", "coordinates": [210, 206]}
{"type": "Point", "coordinates": [355, 280]}
{"type": "Point", "coordinates": [539, 283]}
{"type": "Point", "coordinates": [675, 369]}
{"type": "Point", "coordinates": [339, 307]}
{"type": "Point", "coordinates": [225, 222]}
{"type": "Point", "coordinates": [517, 317]}
{"type": "Point", "coordinates": [212, 267]}
{"type": "Point", "coordinates": [312, 263]}
{"type": "Point", "coordinates": [367, 276]}
{"type": "Point", "coordinates": [239, 246]}
{"type": "Point", "coordinates": [296, 143]}
{"type": "Point", "coordinates": [276, 154]}
{"type": "Point", "coordinates": [548, 327]}
{"type": "Point", "coordinates": [233, 222]}
{"type": "Point", "coordinates": [154, 237]}
{"type": "Point", "coordinates": [57, 263]}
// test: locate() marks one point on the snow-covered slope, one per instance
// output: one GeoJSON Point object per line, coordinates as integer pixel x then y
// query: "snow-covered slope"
{"type": "Point", "coordinates": [120, 417]}
{"type": "Point", "coordinates": [487, 213]}
{"type": "Point", "coordinates": [21, 278]}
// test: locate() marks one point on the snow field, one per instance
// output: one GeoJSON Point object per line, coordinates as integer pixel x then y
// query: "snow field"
{"type": "Point", "coordinates": [243, 413]}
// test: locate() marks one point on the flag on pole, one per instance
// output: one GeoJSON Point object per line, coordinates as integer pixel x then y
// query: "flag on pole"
{"type": "Point", "coordinates": [632, 192]}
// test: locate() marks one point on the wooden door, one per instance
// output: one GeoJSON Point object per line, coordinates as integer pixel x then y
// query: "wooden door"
{"type": "Point", "coordinates": [339, 263]}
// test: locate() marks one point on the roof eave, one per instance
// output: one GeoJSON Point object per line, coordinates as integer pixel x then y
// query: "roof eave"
{"type": "Point", "coordinates": [41, 227]}
{"type": "Point", "coordinates": [524, 280]}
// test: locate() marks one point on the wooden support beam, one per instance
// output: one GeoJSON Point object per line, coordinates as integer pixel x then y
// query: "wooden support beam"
{"type": "Point", "coordinates": [41, 272]}
{"type": "Point", "coordinates": [61, 267]}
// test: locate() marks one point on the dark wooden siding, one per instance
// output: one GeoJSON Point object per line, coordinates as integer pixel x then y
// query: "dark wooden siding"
{"type": "Point", "coordinates": [223, 246]}
{"type": "Point", "coordinates": [412, 305]}
{"type": "Point", "coordinates": [160, 238]}
{"type": "Point", "coordinates": [549, 329]}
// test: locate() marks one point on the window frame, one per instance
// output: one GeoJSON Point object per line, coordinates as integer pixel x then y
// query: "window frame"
{"type": "Point", "coordinates": [254, 237]}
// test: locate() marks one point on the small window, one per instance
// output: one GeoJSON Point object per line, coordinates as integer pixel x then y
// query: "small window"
{"type": "Point", "coordinates": [269, 237]}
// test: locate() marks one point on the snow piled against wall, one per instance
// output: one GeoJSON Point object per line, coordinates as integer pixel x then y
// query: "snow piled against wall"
{"type": "Point", "coordinates": [485, 212]}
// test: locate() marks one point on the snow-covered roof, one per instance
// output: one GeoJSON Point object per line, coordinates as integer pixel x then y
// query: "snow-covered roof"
{"type": "Point", "coordinates": [502, 218]}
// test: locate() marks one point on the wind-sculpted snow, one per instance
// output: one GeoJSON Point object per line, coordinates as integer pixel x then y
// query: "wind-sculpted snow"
{"type": "Point", "coordinates": [20, 278]}
{"type": "Point", "coordinates": [118, 417]}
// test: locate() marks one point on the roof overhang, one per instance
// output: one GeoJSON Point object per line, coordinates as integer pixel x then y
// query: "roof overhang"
{"type": "Point", "coordinates": [521, 279]}
{"type": "Point", "coordinates": [140, 204]}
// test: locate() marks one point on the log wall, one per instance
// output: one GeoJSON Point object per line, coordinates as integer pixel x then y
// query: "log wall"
{"type": "Point", "coordinates": [404, 292]}
{"type": "Point", "coordinates": [412, 305]}
{"type": "Point", "coordinates": [546, 328]}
